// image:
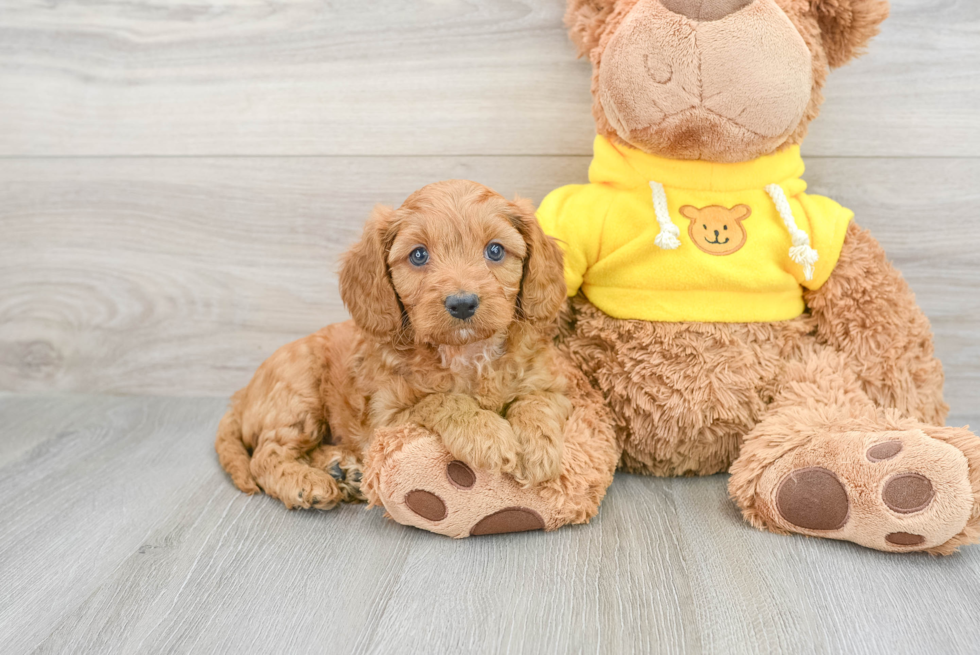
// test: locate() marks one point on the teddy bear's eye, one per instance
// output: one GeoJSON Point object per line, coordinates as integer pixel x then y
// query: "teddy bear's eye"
{"type": "Point", "coordinates": [705, 226]}
{"type": "Point", "coordinates": [419, 256]}
{"type": "Point", "coordinates": [726, 227]}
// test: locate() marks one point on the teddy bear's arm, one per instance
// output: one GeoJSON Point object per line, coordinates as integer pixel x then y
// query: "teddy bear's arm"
{"type": "Point", "coordinates": [867, 311]}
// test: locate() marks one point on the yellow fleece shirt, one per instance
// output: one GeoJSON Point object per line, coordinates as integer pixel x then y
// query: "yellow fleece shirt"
{"type": "Point", "coordinates": [732, 263]}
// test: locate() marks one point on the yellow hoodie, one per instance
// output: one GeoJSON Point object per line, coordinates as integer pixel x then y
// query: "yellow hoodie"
{"type": "Point", "coordinates": [667, 240]}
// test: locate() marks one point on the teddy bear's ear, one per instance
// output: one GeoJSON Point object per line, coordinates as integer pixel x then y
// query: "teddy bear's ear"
{"type": "Point", "coordinates": [846, 26]}
{"type": "Point", "coordinates": [586, 21]}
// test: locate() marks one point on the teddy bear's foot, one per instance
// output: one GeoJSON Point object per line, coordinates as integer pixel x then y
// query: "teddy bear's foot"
{"type": "Point", "coordinates": [896, 491]}
{"type": "Point", "coordinates": [420, 484]}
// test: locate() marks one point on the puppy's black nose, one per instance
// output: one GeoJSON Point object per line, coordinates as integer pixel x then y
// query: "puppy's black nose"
{"type": "Point", "coordinates": [462, 305]}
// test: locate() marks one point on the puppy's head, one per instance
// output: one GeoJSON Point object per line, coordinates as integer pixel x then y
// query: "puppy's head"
{"type": "Point", "coordinates": [455, 264]}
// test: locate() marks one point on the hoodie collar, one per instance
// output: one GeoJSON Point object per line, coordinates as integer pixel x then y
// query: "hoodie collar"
{"type": "Point", "coordinates": [622, 165]}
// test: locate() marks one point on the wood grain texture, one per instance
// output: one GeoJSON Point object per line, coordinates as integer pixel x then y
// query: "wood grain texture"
{"type": "Point", "coordinates": [121, 534]}
{"type": "Point", "coordinates": [179, 276]}
{"type": "Point", "coordinates": [177, 181]}
{"type": "Point", "coordinates": [403, 77]}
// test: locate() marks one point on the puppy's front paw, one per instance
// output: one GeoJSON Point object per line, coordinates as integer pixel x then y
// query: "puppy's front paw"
{"type": "Point", "coordinates": [486, 441]}
{"type": "Point", "coordinates": [539, 423]}
{"type": "Point", "coordinates": [540, 459]}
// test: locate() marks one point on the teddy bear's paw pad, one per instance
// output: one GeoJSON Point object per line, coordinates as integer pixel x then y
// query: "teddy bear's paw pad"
{"type": "Point", "coordinates": [813, 498]}
{"type": "Point", "coordinates": [431, 507]}
{"type": "Point", "coordinates": [896, 491]}
{"type": "Point", "coordinates": [511, 519]}
{"type": "Point", "coordinates": [424, 486]}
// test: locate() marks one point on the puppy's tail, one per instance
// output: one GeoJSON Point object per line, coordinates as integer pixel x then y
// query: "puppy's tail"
{"type": "Point", "coordinates": [231, 450]}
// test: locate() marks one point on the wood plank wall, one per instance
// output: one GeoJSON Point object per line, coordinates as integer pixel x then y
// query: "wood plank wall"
{"type": "Point", "coordinates": [178, 178]}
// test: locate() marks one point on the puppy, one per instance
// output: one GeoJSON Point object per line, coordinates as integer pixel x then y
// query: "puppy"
{"type": "Point", "coordinates": [454, 299]}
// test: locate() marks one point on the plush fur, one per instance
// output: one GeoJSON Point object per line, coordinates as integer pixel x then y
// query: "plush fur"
{"type": "Point", "coordinates": [490, 386]}
{"type": "Point", "coordinates": [832, 31]}
{"type": "Point", "coordinates": [767, 400]}
{"type": "Point", "coordinates": [405, 459]}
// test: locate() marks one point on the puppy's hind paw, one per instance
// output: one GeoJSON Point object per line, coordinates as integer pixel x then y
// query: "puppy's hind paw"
{"type": "Point", "coordinates": [348, 476]}
{"type": "Point", "coordinates": [344, 467]}
{"type": "Point", "coordinates": [313, 490]}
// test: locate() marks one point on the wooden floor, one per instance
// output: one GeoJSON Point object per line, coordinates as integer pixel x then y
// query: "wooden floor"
{"type": "Point", "coordinates": [122, 534]}
{"type": "Point", "coordinates": [177, 181]}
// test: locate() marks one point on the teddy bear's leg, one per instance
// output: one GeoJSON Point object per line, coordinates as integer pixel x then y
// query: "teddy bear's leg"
{"type": "Point", "coordinates": [827, 462]}
{"type": "Point", "coordinates": [409, 472]}
{"type": "Point", "coordinates": [867, 311]}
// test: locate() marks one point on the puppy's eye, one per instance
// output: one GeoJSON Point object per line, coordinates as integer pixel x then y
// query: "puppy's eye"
{"type": "Point", "coordinates": [419, 256]}
{"type": "Point", "coordinates": [494, 252]}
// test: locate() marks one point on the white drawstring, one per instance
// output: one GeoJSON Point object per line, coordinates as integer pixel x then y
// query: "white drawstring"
{"type": "Point", "coordinates": [667, 239]}
{"type": "Point", "coordinates": [801, 252]}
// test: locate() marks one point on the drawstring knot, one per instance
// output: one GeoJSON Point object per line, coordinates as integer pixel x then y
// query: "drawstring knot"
{"type": "Point", "coordinates": [801, 252]}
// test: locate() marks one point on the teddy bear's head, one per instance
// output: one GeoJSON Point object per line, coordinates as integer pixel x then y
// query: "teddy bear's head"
{"type": "Point", "coordinates": [719, 80]}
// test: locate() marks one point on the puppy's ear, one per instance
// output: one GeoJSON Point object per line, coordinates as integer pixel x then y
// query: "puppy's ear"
{"type": "Point", "coordinates": [846, 26]}
{"type": "Point", "coordinates": [586, 22]}
{"type": "Point", "coordinates": [543, 287]}
{"type": "Point", "coordinates": [365, 281]}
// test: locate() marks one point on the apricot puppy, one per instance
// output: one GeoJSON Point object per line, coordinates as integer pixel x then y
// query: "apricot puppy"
{"type": "Point", "coordinates": [454, 299]}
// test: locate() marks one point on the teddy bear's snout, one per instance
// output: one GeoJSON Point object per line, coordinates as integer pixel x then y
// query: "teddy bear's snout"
{"type": "Point", "coordinates": [705, 10]}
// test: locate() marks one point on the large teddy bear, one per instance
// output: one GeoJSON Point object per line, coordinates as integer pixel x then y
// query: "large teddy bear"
{"type": "Point", "coordinates": [732, 321]}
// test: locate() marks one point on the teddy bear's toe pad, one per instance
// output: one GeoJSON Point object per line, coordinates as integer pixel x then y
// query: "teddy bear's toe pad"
{"type": "Point", "coordinates": [907, 493]}
{"type": "Point", "coordinates": [895, 491]}
{"type": "Point", "coordinates": [460, 474]}
{"type": "Point", "coordinates": [426, 504]}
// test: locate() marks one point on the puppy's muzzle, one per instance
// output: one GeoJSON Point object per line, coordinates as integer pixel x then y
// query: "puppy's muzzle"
{"type": "Point", "coordinates": [462, 305]}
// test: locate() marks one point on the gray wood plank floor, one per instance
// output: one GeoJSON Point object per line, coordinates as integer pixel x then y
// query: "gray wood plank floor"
{"type": "Point", "coordinates": [122, 534]}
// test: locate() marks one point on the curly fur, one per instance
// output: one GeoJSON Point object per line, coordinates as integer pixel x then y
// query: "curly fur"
{"type": "Point", "coordinates": [490, 386]}
{"type": "Point", "coordinates": [588, 462]}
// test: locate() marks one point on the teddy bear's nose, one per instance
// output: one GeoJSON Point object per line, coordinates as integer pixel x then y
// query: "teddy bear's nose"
{"type": "Point", "coordinates": [705, 10]}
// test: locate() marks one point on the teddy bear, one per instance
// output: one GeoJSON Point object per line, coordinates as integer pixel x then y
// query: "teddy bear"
{"type": "Point", "coordinates": [771, 338]}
